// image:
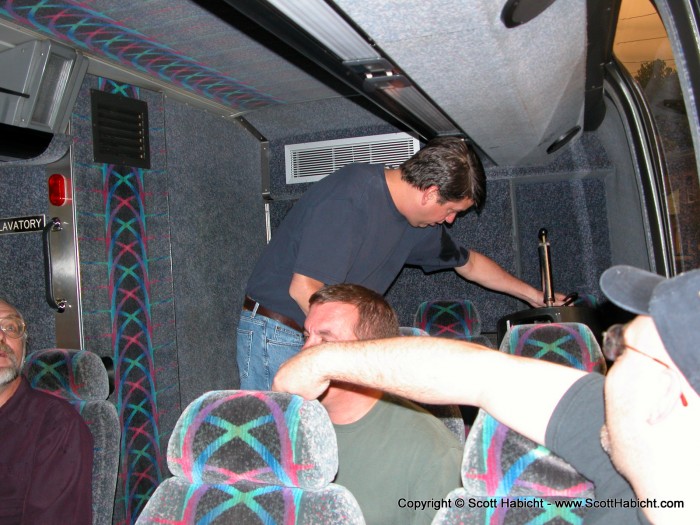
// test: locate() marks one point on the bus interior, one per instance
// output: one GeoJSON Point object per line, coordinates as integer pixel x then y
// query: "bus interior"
{"type": "Point", "coordinates": [148, 151]}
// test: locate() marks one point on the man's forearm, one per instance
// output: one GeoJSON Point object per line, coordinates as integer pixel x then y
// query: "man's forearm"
{"type": "Point", "coordinates": [489, 274]}
{"type": "Point", "coordinates": [520, 392]}
{"type": "Point", "coordinates": [486, 272]}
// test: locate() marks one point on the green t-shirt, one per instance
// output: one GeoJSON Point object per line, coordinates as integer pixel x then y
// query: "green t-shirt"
{"type": "Point", "coordinates": [395, 456]}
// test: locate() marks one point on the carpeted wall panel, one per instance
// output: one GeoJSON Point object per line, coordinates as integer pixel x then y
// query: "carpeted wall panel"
{"type": "Point", "coordinates": [126, 280]}
{"type": "Point", "coordinates": [218, 231]}
{"type": "Point", "coordinates": [574, 214]}
{"type": "Point", "coordinates": [24, 192]}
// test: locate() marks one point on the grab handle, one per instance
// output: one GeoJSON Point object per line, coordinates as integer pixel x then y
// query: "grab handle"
{"type": "Point", "coordinates": [54, 225]}
{"type": "Point", "coordinates": [546, 268]}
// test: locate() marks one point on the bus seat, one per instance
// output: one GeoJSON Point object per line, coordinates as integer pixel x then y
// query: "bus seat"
{"type": "Point", "coordinates": [502, 464]}
{"type": "Point", "coordinates": [456, 319]}
{"type": "Point", "coordinates": [252, 457]}
{"type": "Point", "coordinates": [452, 418]}
{"type": "Point", "coordinates": [569, 344]}
{"type": "Point", "coordinates": [81, 378]}
{"type": "Point", "coordinates": [412, 330]}
{"type": "Point", "coordinates": [586, 299]}
{"type": "Point", "coordinates": [450, 415]}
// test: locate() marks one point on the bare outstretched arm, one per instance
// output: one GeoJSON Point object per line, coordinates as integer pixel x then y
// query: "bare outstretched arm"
{"type": "Point", "coordinates": [486, 272]}
{"type": "Point", "coordinates": [520, 392]}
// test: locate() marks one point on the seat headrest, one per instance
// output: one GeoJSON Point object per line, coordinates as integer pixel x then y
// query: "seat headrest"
{"type": "Point", "coordinates": [412, 331]}
{"type": "Point", "coordinates": [231, 436]}
{"type": "Point", "coordinates": [456, 318]}
{"type": "Point", "coordinates": [70, 374]}
{"type": "Point", "coordinates": [569, 344]}
{"type": "Point", "coordinates": [499, 462]}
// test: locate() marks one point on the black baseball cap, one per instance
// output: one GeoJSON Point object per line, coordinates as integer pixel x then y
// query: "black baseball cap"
{"type": "Point", "coordinates": [673, 304]}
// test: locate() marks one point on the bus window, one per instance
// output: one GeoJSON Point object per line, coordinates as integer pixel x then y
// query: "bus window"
{"type": "Point", "coordinates": [642, 46]}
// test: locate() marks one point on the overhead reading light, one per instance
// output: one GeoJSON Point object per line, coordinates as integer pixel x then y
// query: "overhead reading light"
{"type": "Point", "coordinates": [414, 101]}
{"type": "Point", "coordinates": [320, 20]}
{"type": "Point", "coordinates": [39, 85]}
{"type": "Point", "coordinates": [320, 32]}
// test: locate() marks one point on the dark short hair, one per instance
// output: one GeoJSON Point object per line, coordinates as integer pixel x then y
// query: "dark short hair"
{"type": "Point", "coordinates": [376, 318]}
{"type": "Point", "coordinates": [450, 164]}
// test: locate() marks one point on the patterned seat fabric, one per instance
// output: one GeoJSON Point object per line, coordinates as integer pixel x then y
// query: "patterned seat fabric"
{"type": "Point", "coordinates": [570, 344]}
{"type": "Point", "coordinates": [412, 330]}
{"type": "Point", "coordinates": [80, 377]}
{"type": "Point", "coordinates": [450, 415]}
{"type": "Point", "coordinates": [501, 465]}
{"type": "Point", "coordinates": [586, 299]}
{"type": "Point", "coordinates": [456, 319]}
{"type": "Point", "coordinates": [252, 457]}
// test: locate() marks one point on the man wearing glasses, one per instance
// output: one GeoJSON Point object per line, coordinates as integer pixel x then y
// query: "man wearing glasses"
{"type": "Point", "coordinates": [46, 449]}
{"type": "Point", "coordinates": [633, 433]}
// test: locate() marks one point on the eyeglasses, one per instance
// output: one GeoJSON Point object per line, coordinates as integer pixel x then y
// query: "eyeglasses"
{"type": "Point", "coordinates": [12, 327]}
{"type": "Point", "coordinates": [614, 344]}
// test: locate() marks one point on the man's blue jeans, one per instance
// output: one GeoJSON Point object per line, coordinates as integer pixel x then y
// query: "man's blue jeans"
{"type": "Point", "coordinates": [263, 344]}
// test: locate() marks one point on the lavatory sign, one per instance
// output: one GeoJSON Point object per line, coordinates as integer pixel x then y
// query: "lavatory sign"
{"type": "Point", "coordinates": [34, 223]}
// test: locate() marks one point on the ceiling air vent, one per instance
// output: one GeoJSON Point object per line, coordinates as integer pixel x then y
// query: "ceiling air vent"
{"type": "Point", "coordinates": [120, 130]}
{"type": "Point", "coordinates": [312, 161]}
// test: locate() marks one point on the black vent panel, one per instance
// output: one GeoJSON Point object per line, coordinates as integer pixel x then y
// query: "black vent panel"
{"type": "Point", "coordinates": [120, 130]}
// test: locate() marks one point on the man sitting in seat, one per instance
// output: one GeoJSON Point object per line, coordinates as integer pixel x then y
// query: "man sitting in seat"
{"type": "Point", "coordinates": [393, 455]}
{"type": "Point", "coordinates": [46, 449]}
{"type": "Point", "coordinates": [648, 420]}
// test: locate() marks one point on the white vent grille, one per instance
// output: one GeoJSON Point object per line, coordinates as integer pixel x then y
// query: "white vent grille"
{"type": "Point", "coordinates": [312, 161]}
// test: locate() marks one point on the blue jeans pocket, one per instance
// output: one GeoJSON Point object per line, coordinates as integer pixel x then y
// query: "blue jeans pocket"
{"type": "Point", "coordinates": [244, 348]}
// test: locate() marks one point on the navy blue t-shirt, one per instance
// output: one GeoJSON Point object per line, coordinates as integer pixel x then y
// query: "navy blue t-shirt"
{"type": "Point", "coordinates": [346, 228]}
{"type": "Point", "coordinates": [573, 433]}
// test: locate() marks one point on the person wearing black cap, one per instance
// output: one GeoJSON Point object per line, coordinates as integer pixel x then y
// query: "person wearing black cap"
{"type": "Point", "coordinates": [651, 394]}
{"type": "Point", "coordinates": [645, 413]}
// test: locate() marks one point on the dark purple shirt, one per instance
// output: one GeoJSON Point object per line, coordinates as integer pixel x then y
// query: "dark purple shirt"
{"type": "Point", "coordinates": [46, 452]}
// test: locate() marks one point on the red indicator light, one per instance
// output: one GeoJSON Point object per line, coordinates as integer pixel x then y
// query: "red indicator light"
{"type": "Point", "coordinates": [59, 190]}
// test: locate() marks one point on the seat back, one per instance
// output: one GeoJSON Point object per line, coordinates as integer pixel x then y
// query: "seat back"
{"type": "Point", "coordinates": [80, 377]}
{"type": "Point", "coordinates": [569, 344]}
{"type": "Point", "coordinates": [455, 318]}
{"type": "Point", "coordinates": [501, 465]}
{"type": "Point", "coordinates": [586, 299]}
{"type": "Point", "coordinates": [412, 330]}
{"type": "Point", "coordinates": [252, 457]}
{"type": "Point", "coordinates": [450, 415]}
